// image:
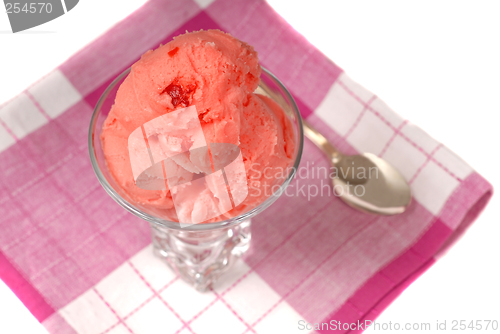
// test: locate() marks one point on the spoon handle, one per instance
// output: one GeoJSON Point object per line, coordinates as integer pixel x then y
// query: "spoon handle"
{"type": "Point", "coordinates": [319, 140]}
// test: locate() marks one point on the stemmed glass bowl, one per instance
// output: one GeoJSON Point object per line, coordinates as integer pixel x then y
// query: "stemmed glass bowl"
{"type": "Point", "coordinates": [199, 253]}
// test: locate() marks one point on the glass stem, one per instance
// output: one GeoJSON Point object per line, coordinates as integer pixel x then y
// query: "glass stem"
{"type": "Point", "coordinates": [201, 257]}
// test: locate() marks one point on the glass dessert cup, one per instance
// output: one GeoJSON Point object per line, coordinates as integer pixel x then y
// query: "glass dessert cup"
{"type": "Point", "coordinates": [199, 253]}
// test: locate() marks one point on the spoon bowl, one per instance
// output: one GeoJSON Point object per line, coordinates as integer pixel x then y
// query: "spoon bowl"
{"type": "Point", "coordinates": [365, 181]}
{"type": "Point", "coordinates": [381, 189]}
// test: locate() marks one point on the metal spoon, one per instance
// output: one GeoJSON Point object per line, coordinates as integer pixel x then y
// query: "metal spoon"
{"type": "Point", "coordinates": [365, 182]}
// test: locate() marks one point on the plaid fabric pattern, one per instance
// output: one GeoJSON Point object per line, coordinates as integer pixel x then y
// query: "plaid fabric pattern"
{"type": "Point", "coordinates": [82, 264]}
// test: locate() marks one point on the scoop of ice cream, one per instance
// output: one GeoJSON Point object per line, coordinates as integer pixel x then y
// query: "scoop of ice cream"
{"type": "Point", "coordinates": [217, 74]}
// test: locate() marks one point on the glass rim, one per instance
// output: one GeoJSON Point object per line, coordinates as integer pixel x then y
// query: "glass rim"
{"type": "Point", "coordinates": [202, 226]}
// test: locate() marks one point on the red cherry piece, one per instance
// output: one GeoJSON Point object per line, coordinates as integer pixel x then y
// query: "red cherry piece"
{"type": "Point", "coordinates": [172, 52]}
{"type": "Point", "coordinates": [179, 94]}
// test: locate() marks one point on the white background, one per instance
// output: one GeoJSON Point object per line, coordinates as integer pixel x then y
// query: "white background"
{"type": "Point", "coordinates": [437, 63]}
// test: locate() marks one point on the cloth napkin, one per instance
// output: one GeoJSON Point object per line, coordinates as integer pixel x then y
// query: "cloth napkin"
{"type": "Point", "coordinates": [82, 264]}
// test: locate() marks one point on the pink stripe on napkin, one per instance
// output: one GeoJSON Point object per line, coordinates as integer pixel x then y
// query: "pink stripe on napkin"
{"type": "Point", "coordinates": [31, 298]}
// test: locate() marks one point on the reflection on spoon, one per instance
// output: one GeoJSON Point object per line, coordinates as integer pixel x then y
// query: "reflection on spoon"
{"type": "Point", "coordinates": [365, 182]}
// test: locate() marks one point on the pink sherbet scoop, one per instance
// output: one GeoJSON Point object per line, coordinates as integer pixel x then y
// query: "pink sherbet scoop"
{"type": "Point", "coordinates": [217, 74]}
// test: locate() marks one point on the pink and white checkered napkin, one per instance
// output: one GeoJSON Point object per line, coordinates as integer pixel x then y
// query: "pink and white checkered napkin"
{"type": "Point", "coordinates": [82, 264]}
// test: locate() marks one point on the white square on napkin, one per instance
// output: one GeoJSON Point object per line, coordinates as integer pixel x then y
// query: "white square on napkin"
{"type": "Point", "coordinates": [339, 99]}
{"type": "Point", "coordinates": [123, 289]}
{"type": "Point", "coordinates": [22, 116]}
{"type": "Point", "coordinates": [152, 318]}
{"type": "Point", "coordinates": [89, 314]}
{"type": "Point", "coordinates": [55, 93]}
{"type": "Point", "coordinates": [251, 298]}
